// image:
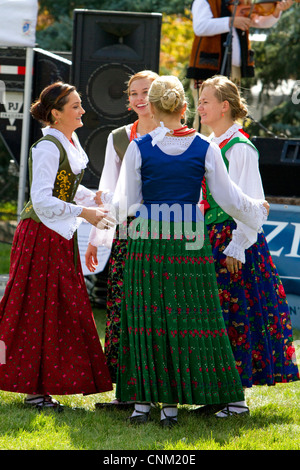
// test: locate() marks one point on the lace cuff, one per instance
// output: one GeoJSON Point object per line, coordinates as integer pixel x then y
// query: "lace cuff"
{"type": "Point", "coordinates": [257, 212]}
{"type": "Point", "coordinates": [107, 197]}
{"type": "Point", "coordinates": [235, 251]}
{"type": "Point", "coordinates": [238, 245]}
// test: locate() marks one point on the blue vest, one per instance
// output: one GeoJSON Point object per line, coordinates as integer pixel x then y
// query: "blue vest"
{"type": "Point", "coordinates": [174, 180]}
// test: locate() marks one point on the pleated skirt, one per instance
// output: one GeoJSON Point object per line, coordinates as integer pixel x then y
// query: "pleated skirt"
{"type": "Point", "coordinates": [174, 346]}
{"type": "Point", "coordinates": [255, 311]}
{"type": "Point", "coordinates": [46, 321]}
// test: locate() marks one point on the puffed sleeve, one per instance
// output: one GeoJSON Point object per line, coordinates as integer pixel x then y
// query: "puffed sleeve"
{"type": "Point", "coordinates": [58, 215]}
{"type": "Point", "coordinates": [244, 171]}
{"type": "Point", "coordinates": [229, 196]}
{"type": "Point", "coordinates": [108, 182]}
{"type": "Point", "coordinates": [128, 196]}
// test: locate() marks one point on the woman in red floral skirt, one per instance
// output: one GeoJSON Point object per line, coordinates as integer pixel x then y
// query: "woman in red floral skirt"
{"type": "Point", "coordinates": [252, 296]}
{"type": "Point", "coordinates": [46, 322]}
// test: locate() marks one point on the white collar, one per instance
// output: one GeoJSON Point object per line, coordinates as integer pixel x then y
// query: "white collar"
{"type": "Point", "coordinates": [159, 133]}
{"type": "Point", "coordinates": [227, 135]}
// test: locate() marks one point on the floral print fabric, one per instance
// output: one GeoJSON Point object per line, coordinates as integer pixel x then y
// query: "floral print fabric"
{"type": "Point", "coordinates": [46, 321]}
{"type": "Point", "coordinates": [255, 311]}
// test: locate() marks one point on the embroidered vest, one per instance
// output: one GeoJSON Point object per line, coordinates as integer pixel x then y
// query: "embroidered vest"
{"type": "Point", "coordinates": [214, 214]}
{"type": "Point", "coordinates": [208, 51]}
{"type": "Point", "coordinates": [66, 182]}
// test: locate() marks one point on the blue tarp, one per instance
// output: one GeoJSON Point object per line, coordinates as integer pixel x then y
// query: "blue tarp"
{"type": "Point", "coordinates": [282, 231]}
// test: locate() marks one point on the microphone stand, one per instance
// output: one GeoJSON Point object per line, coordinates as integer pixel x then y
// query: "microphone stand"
{"type": "Point", "coordinates": [227, 59]}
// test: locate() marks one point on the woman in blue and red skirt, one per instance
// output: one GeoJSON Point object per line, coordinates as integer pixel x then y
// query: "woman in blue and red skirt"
{"type": "Point", "coordinates": [46, 322]}
{"type": "Point", "coordinates": [252, 296]}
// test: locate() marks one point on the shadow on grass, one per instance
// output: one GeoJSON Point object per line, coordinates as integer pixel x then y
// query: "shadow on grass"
{"type": "Point", "coordinates": [78, 428]}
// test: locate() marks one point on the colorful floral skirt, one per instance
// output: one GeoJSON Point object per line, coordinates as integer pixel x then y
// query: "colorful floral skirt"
{"type": "Point", "coordinates": [46, 322]}
{"type": "Point", "coordinates": [174, 346]}
{"type": "Point", "coordinates": [113, 304]}
{"type": "Point", "coordinates": [256, 312]}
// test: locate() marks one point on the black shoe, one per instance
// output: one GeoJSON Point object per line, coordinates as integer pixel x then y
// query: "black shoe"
{"type": "Point", "coordinates": [229, 411]}
{"type": "Point", "coordinates": [44, 402]}
{"type": "Point", "coordinates": [141, 418]}
{"type": "Point", "coordinates": [116, 404]}
{"type": "Point", "coordinates": [207, 410]}
{"type": "Point", "coordinates": [168, 421]}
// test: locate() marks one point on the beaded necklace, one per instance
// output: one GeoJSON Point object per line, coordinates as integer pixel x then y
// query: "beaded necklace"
{"type": "Point", "coordinates": [133, 132]}
{"type": "Point", "coordinates": [184, 130]}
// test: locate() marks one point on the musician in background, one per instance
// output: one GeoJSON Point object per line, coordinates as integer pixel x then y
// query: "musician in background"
{"type": "Point", "coordinates": [211, 24]}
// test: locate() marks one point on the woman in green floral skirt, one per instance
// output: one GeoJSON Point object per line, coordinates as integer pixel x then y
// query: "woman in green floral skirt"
{"type": "Point", "coordinates": [174, 347]}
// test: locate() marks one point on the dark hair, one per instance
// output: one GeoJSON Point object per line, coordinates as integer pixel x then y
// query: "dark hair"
{"type": "Point", "coordinates": [54, 96]}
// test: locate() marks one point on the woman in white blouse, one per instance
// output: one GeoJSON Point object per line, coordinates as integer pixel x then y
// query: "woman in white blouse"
{"type": "Point", "coordinates": [174, 348]}
{"type": "Point", "coordinates": [117, 143]}
{"type": "Point", "coordinates": [253, 300]}
{"type": "Point", "coordinates": [46, 322]}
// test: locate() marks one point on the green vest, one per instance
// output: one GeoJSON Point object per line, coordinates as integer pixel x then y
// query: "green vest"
{"type": "Point", "coordinates": [214, 214]}
{"type": "Point", "coordinates": [120, 141]}
{"type": "Point", "coordinates": [66, 183]}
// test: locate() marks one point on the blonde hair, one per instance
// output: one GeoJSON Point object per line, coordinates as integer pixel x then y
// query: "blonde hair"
{"type": "Point", "coordinates": [167, 94]}
{"type": "Point", "coordinates": [226, 90]}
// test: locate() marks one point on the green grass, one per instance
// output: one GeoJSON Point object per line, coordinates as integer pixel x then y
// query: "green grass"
{"type": "Point", "coordinates": [8, 210]}
{"type": "Point", "coordinates": [274, 423]}
{"type": "Point", "coordinates": [5, 249]}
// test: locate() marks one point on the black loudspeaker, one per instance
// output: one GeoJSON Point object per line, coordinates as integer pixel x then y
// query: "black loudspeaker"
{"type": "Point", "coordinates": [279, 164]}
{"type": "Point", "coordinates": [109, 47]}
{"type": "Point", "coordinates": [47, 68]}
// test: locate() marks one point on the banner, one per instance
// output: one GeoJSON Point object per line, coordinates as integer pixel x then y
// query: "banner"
{"type": "Point", "coordinates": [282, 231]}
{"type": "Point", "coordinates": [18, 20]}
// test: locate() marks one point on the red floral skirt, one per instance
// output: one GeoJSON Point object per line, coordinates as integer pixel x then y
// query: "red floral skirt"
{"type": "Point", "coordinates": [46, 321]}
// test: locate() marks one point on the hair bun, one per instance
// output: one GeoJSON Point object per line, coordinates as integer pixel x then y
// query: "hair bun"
{"type": "Point", "coordinates": [170, 99]}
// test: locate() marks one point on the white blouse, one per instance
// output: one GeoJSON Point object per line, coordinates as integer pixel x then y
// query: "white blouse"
{"type": "Point", "coordinates": [244, 171]}
{"type": "Point", "coordinates": [204, 24]}
{"type": "Point", "coordinates": [128, 192]}
{"type": "Point", "coordinates": [108, 182]}
{"type": "Point", "coordinates": [60, 216]}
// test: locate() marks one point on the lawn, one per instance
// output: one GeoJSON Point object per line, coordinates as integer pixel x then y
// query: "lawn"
{"type": "Point", "coordinates": [273, 424]}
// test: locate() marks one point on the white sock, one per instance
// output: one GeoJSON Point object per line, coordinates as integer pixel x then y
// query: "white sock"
{"type": "Point", "coordinates": [144, 407]}
{"type": "Point", "coordinates": [169, 411]}
{"type": "Point", "coordinates": [28, 396]}
{"type": "Point", "coordinates": [233, 408]}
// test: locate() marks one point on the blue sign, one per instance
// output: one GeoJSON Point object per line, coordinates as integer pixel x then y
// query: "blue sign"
{"type": "Point", "coordinates": [282, 231]}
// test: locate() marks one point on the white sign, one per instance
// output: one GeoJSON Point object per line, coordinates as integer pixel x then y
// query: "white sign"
{"type": "Point", "coordinates": [18, 20]}
{"type": "Point", "coordinates": [12, 103]}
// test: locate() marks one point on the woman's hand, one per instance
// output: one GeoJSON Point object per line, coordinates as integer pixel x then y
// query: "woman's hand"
{"type": "Point", "coordinates": [267, 206]}
{"type": "Point", "coordinates": [98, 217]}
{"type": "Point", "coordinates": [91, 259]}
{"type": "Point", "coordinates": [233, 264]}
{"type": "Point", "coordinates": [98, 199]}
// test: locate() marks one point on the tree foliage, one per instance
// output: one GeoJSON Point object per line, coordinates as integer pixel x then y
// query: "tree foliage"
{"type": "Point", "coordinates": [277, 59]}
{"type": "Point", "coordinates": [58, 8]}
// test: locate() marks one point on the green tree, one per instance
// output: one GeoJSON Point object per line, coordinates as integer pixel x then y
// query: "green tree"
{"type": "Point", "coordinates": [277, 59]}
{"type": "Point", "coordinates": [58, 8]}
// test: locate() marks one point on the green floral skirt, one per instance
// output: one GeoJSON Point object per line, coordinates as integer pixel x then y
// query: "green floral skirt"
{"type": "Point", "coordinates": [174, 346]}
